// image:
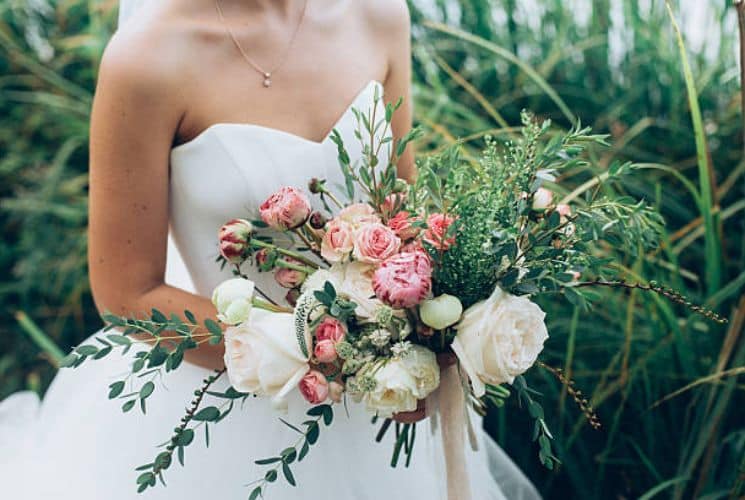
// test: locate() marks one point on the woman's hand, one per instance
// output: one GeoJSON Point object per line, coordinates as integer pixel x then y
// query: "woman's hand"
{"type": "Point", "coordinates": [445, 360]}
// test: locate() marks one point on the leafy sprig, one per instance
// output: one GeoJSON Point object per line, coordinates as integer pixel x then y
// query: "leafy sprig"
{"type": "Point", "coordinates": [297, 452]}
{"type": "Point", "coordinates": [184, 433]}
{"type": "Point", "coordinates": [167, 340]}
{"type": "Point", "coordinates": [541, 433]}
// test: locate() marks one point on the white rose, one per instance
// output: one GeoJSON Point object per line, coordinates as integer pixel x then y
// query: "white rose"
{"type": "Point", "coordinates": [232, 298]}
{"type": "Point", "coordinates": [499, 338]}
{"type": "Point", "coordinates": [263, 357]}
{"type": "Point", "coordinates": [395, 390]}
{"type": "Point", "coordinates": [421, 363]}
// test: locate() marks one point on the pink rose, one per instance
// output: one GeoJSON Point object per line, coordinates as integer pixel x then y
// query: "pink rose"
{"type": "Point", "coordinates": [358, 214]}
{"type": "Point", "coordinates": [336, 390]}
{"type": "Point", "coordinates": [314, 387]}
{"type": "Point", "coordinates": [286, 209]}
{"type": "Point", "coordinates": [402, 225]}
{"type": "Point", "coordinates": [234, 237]}
{"type": "Point", "coordinates": [338, 241]}
{"type": "Point", "coordinates": [375, 242]}
{"type": "Point", "coordinates": [289, 278]}
{"type": "Point", "coordinates": [403, 280]}
{"type": "Point", "coordinates": [325, 351]}
{"type": "Point", "coordinates": [437, 231]}
{"type": "Point", "coordinates": [331, 329]}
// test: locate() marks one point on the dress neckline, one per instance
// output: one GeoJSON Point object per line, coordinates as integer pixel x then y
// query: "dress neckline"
{"type": "Point", "coordinates": [200, 136]}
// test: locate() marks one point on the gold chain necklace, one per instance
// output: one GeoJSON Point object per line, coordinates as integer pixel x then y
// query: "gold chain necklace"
{"type": "Point", "coordinates": [266, 74]}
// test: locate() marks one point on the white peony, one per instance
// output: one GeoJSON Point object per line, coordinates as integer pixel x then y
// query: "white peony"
{"type": "Point", "coordinates": [233, 300]}
{"type": "Point", "coordinates": [440, 312]}
{"type": "Point", "coordinates": [262, 355]}
{"type": "Point", "coordinates": [499, 338]}
{"type": "Point", "coordinates": [395, 390]}
{"type": "Point", "coordinates": [421, 363]}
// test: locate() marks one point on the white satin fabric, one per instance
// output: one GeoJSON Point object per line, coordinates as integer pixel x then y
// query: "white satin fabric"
{"type": "Point", "coordinates": [78, 445]}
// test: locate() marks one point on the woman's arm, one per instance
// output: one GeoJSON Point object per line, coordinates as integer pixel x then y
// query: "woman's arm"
{"type": "Point", "coordinates": [136, 112]}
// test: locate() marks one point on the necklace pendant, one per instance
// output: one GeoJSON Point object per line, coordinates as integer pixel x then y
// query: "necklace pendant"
{"type": "Point", "coordinates": [267, 80]}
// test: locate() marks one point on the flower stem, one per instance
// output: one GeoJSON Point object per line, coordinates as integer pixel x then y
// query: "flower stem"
{"type": "Point", "coordinates": [262, 304]}
{"type": "Point", "coordinates": [290, 253]}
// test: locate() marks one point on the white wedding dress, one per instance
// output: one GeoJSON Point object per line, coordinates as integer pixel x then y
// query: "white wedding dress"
{"type": "Point", "coordinates": [78, 445]}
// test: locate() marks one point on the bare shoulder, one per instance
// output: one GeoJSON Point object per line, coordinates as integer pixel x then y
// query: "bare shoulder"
{"type": "Point", "coordinates": [387, 17]}
{"type": "Point", "coordinates": [144, 57]}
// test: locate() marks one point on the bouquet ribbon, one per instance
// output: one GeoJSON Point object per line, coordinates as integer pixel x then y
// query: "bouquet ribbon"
{"type": "Point", "coordinates": [449, 404]}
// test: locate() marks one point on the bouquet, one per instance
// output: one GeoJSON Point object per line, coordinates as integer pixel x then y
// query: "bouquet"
{"type": "Point", "coordinates": [383, 283]}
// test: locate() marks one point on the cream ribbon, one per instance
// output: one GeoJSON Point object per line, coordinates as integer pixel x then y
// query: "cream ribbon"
{"type": "Point", "coordinates": [447, 409]}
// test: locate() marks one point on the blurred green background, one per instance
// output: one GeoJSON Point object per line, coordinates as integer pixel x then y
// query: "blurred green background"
{"type": "Point", "coordinates": [618, 67]}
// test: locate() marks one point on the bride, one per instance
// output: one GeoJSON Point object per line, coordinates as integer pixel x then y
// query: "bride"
{"type": "Point", "coordinates": [204, 108]}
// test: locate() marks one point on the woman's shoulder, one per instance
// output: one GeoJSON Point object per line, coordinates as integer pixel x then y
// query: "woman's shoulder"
{"type": "Point", "coordinates": [388, 17]}
{"type": "Point", "coordinates": [147, 51]}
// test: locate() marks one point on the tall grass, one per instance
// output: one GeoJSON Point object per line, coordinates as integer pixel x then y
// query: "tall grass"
{"type": "Point", "coordinates": [624, 68]}
{"type": "Point", "coordinates": [618, 66]}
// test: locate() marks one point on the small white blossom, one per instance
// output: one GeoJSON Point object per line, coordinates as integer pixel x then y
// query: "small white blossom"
{"type": "Point", "coordinates": [380, 337]}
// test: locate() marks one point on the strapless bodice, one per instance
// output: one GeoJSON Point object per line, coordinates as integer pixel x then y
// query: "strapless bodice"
{"type": "Point", "coordinates": [230, 169]}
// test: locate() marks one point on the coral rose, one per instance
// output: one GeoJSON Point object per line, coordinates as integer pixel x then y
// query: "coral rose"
{"type": "Point", "coordinates": [314, 387]}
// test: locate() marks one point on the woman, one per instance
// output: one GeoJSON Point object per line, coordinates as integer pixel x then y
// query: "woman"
{"type": "Point", "coordinates": [204, 108]}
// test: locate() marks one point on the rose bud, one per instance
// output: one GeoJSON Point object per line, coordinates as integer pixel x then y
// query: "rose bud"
{"type": "Point", "coordinates": [286, 209]}
{"type": "Point", "coordinates": [316, 185]}
{"type": "Point", "coordinates": [292, 295]}
{"type": "Point", "coordinates": [441, 312]}
{"type": "Point", "coordinates": [314, 387]}
{"type": "Point", "coordinates": [542, 199]}
{"type": "Point", "coordinates": [317, 220]}
{"type": "Point", "coordinates": [331, 329]}
{"type": "Point", "coordinates": [336, 391]}
{"type": "Point", "coordinates": [234, 237]}
{"type": "Point", "coordinates": [289, 278]}
{"type": "Point", "coordinates": [325, 352]}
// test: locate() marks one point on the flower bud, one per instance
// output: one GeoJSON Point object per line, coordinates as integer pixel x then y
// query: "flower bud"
{"type": "Point", "coordinates": [315, 185]}
{"type": "Point", "coordinates": [292, 295]}
{"type": "Point", "coordinates": [542, 199]}
{"type": "Point", "coordinates": [234, 237]}
{"type": "Point", "coordinates": [317, 220]}
{"type": "Point", "coordinates": [441, 312]}
{"type": "Point", "coordinates": [233, 300]}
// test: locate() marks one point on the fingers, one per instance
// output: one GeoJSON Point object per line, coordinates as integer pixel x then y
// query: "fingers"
{"type": "Point", "coordinates": [411, 417]}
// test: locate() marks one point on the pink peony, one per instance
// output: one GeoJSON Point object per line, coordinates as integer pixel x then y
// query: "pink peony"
{"type": "Point", "coordinates": [437, 231]}
{"type": "Point", "coordinates": [358, 214]}
{"type": "Point", "coordinates": [331, 329]}
{"type": "Point", "coordinates": [338, 241]}
{"type": "Point", "coordinates": [403, 280]}
{"type": "Point", "coordinates": [402, 225]}
{"type": "Point", "coordinates": [289, 278]}
{"type": "Point", "coordinates": [373, 243]}
{"type": "Point", "coordinates": [286, 209]}
{"type": "Point", "coordinates": [314, 387]}
{"type": "Point", "coordinates": [325, 351]}
{"type": "Point", "coordinates": [234, 237]}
